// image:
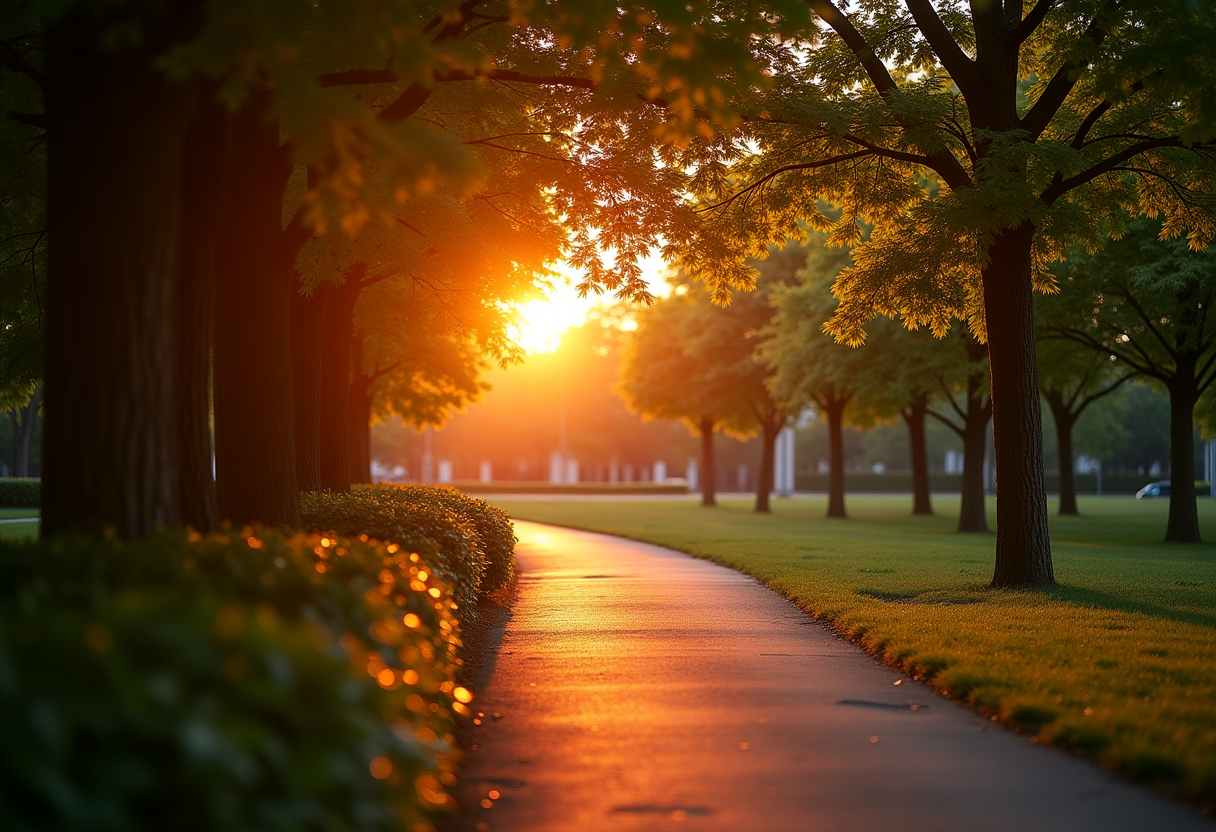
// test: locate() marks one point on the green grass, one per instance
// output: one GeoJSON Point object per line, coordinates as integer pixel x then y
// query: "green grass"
{"type": "Point", "coordinates": [18, 531]}
{"type": "Point", "coordinates": [7, 513]}
{"type": "Point", "coordinates": [1118, 663]}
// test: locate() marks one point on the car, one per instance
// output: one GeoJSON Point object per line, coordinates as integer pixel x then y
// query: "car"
{"type": "Point", "coordinates": [1154, 489]}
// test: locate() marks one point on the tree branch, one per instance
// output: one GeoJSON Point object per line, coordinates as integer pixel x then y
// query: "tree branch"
{"type": "Point", "coordinates": [1031, 21]}
{"type": "Point", "coordinates": [821, 163]}
{"type": "Point", "coordinates": [1060, 85]}
{"type": "Point", "coordinates": [378, 277]}
{"type": "Point", "coordinates": [961, 68]}
{"type": "Point", "coordinates": [1061, 186]}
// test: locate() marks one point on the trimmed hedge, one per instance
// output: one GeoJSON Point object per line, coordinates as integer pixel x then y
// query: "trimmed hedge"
{"type": "Point", "coordinates": [248, 681]}
{"type": "Point", "coordinates": [495, 533]}
{"type": "Point", "coordinates": [20, 492]}
{"type": "Point", "coordinates": [442, 525]}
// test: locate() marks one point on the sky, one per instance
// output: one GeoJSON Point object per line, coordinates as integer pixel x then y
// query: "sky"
{"type": "Point", "coordinates": [543, 322]}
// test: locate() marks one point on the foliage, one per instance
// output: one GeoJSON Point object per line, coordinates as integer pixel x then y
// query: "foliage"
{"type": "Point", "coordinates": [447, 542]}
{"type": "Point", "coordinates": [21, 493]}
{"type": "Point", "coordinates": [241, 681]}
{"type": "Point", "coordinates": [23, 238]}
{"type": "Point", "coordinates": [1133, 620]}
{"type": "Point", "coordinates": [888, 118]}
{"type": "Point", "coordinates": [1145, 302]}
{"type": "Point", "coordinates": [421, 368]}
{"type": "Point", "coordinates": [807, 364]}
{"type": "Point", "coordinates": [495, 534]}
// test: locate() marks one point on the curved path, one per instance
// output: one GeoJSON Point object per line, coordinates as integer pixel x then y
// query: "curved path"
{"type": "Point", "coordinates": [637, 688]}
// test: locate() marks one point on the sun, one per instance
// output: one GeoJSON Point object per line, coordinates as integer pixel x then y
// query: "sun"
{"type": "Point", "coordinates": [541, 323]}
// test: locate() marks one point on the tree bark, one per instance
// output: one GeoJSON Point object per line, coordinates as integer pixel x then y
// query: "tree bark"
{"type": "Point", "coordinates": [1183, 523]}
{"type": "Point", "coordinates": [708, 486]}
{"type": "Point", "coordinates": [1023, 545]}
{"type": "Point", "coordinates": [914, 417]}
{"type": "Point", "coordinates": [769, 429]}
{"type": "Point", "coordinates": [1064, 420]}
{"type": "Point", "coordinates": [195, 304]}
{"type": "Point", "coordinates": [254, 420]}
{"type": "Point", "coordinates": [972, 510]}
{"type": "Point", "coordinates": [306, 315]}
{"type": "Point", "coordinates": [337, 328]}
{"type": "Point", "coordinates": [114, 190]}
{"type": "Point", "coordinates": [834, 409]}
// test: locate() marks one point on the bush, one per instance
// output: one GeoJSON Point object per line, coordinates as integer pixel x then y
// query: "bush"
{"type": "Point", "coordinates": [446, 541]}
{"type": "Point", "coordinates": [20, 492]}
{"type": "Point", "coordinates": [236, 682]}
{"type": "Point", "coordinates": [495, 533]}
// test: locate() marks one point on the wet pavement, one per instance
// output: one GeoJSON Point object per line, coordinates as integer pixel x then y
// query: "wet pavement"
{"type": "Point", "coordinates": [635, 688]}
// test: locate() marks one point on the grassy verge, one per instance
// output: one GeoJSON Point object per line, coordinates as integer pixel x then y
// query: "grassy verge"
{"type": "Point", "coordinates": [10, 513]}
{"type": "Point", "coordinates": [19, 531]}
{"type": "Point", "coordinates": [1118, 663]}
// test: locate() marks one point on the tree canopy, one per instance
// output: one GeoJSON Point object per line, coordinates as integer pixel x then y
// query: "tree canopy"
{"type": "Point", "coordinates": [1148, 302]}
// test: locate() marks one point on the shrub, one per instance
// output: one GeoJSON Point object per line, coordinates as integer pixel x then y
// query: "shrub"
{"type": "Point", "coordinates": [20, 492]}
{"type": "Point", "coordinates": [446, 541]}
{"type": "Point", "coordinates": [251, 681]}
{"type": "Point", "coordinates": [495, 533]}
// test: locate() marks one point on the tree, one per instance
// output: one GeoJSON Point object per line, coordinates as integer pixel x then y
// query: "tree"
{"type": "Point", "coordinates": [968, 411]}
{"type": "Point", "coordinates": [808, 365]}
{"type": "Point", "coordinates": [980, 144]}
{"type": "Point", "coordinates": [905, 375]}
{"type": "Point", "coordinates": [407, 361]}
{"type": "Point", "coordinates": [1072, 377]}
{"type": "Point", "coordinates": [1151, 300]}
{"type": "Point", "coordinates": [723, 342]}
{"type": "Point", "coordinates": [661, 379]}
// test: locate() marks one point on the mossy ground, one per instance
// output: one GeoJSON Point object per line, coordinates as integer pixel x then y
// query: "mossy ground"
{"type": "Point", "coordinates": [1118, 663]}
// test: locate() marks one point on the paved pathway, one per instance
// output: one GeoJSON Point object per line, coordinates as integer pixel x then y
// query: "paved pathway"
{"type": "Point", "coordinates": [637, 688]}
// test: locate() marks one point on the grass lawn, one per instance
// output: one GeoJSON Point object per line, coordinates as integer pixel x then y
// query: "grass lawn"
{"type": "Point", "coordinates": [7, 513]}
{"type": "Point", "coordinates": [1118, 663]}
{"type": "Point", "coordinates": [18, 531]}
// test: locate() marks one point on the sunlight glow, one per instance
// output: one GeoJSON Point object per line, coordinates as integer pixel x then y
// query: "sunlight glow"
{"type": "Point", "coordinates": [543, 322]}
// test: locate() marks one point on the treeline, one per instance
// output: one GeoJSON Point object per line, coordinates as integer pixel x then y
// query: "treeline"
{"type": "Point", "coordinates": [1133, 313]}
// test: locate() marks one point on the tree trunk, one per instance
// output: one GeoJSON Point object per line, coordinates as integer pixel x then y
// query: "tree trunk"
{"type": "Point", "coordinates": [254, 420]}
{"type": "Point", "coordinates": [114, 191]}
{"type": "Point", "coordinates": [768, 444]}
{"type": "Point", "coordinates": [306, 315]}
{"type": "Point", "coordinates": [1183, 524]}
{"type": "Point", "coordinates": [23, 431]}
{"type": "Point", "coordinates": [972, 510]}
{"type": "Point", "coordinates": [195, 304]}
{"type": "Point", "coordinates": [360, 415]}
{"type": "Point", "coordinates": [708, 493]}
{"type": "Point", "coordinates": [337, 328]}
{"type": "Point", "coordinates": [1064, 421]}
{"type": "Point", "coordinates": [834, 410]}
{"type": "Point", "coordinates": [914, 417]}
{"type": "Point", "coordinates": [1023, 545]}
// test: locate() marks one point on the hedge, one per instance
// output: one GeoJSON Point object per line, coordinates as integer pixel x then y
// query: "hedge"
{"type": "Point", "coordinates": [20, 492]}
{"type": "Point", "coordinates": [495, 533]}
{"type": "Point", "coordinates": [251, 681]}
{"type": "Point", "coordinates": [424, 520]}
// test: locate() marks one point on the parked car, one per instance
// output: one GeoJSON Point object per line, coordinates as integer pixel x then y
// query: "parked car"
{"type": "Point", "coordinates": [1154, 489]}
